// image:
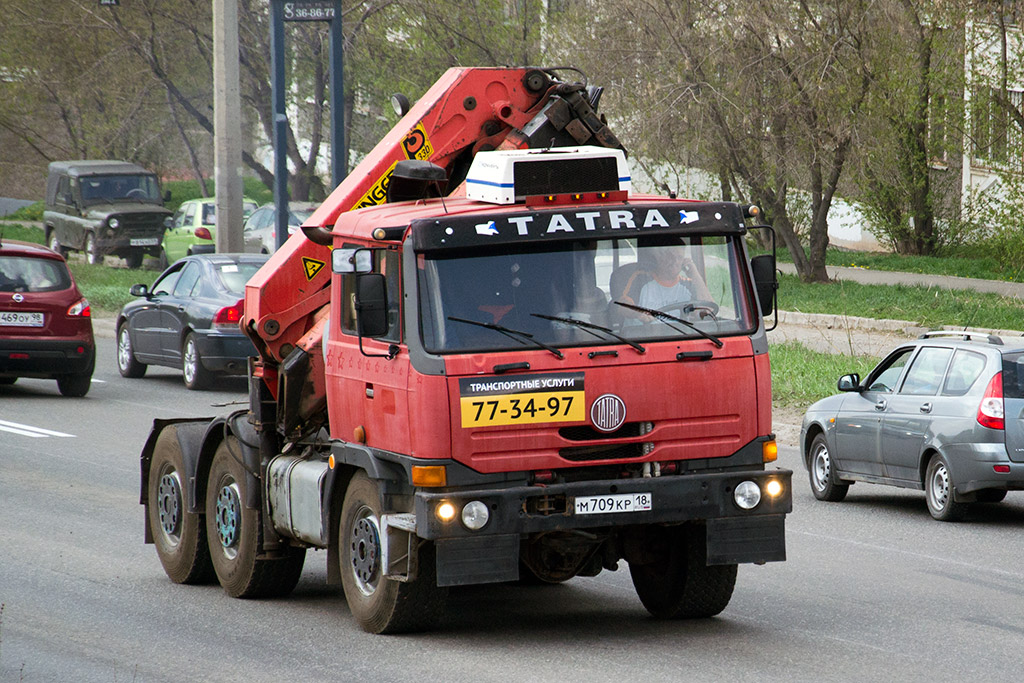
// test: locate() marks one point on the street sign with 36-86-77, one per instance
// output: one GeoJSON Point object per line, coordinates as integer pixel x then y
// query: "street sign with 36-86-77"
{"type": "Point", "coordinates": [316, 10]}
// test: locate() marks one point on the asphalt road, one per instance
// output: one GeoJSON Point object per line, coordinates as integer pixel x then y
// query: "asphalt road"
{"type": "Point", "coordinates": [873, 588]}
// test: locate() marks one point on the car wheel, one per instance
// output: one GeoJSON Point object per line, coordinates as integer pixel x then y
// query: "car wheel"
{"type": "Point", "coordinates": [134, 259]}
{"type": "Point", "coordinates": [54, 244]}
{"type": "Point", "coordinates": [822, 473]}
{"type": "Point", "coordinates": [938, 487]}
{"type": "Point", "coordinates": [233, 531]}
{"type": "Point", "coordinates": [92, 252]}
{"type": "Point", "coordinates": [162, 262]}
{"type": "Point", "coordinates": [196, 376]}
{"type": "Point", "coordinates": [76, 385]}
{"type": "Point", "coordinates": [674, 580]}
{"type": "Point", "coordinates": [179, 535]}
{"type": "Point", "coordinates": [127, 365]}
{"type": "Point", "coordinates": [379, 604]}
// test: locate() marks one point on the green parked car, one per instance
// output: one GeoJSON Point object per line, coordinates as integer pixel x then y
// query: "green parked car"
{"type": "Point", "coordinates": [193, 228]}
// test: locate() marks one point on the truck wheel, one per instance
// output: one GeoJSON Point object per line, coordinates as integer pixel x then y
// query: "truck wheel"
{"type": "Point", "coordinates": [134, 259]}
{"type": "Point", "coordinates": [54, 244]}
{"type": "Point", "coordinates": [127, 364]}
{"type": "Point", "coordinates": [232, 532]}
{"type": "Point", "coordinates": [196, 376]}
{"type": "Point", "coordinates": [379, 604]}
{"type": "Point", "coordinates": [92, 250]}
{"type": "Point", "coordinates": [679, 584]}
{"type": "Point", "coordinates": [938, 488]}
{"type": "Point", "coordinates": [821, 471]}
{"type": "Point", "coordinates": [179, 535]}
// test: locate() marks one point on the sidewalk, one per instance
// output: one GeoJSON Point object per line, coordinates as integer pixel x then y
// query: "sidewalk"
{"type": "Point", "coordinates": [867, 276]}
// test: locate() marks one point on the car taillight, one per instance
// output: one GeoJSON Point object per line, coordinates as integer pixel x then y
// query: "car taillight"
{"type": "Point", "coordinates": [227, 318]}
{"type": "Point", "coordinates": [80, 309]}
{"type": "Point", "coordinates": [990, 412]}
{"type": "Point", "coordinates": [203, 234]}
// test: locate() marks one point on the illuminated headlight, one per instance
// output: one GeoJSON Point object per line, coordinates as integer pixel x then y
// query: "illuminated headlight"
{"type": "Point", "coordinates": [747, 495]}
{"type": "Point", "coordinates": [475, 515]}
{"type": "Point", "coordinates": [773, 488]}
{"type": "Point", "coordinates": [113, 223]}
{"type": "Point", "coordinates": [445, 512]}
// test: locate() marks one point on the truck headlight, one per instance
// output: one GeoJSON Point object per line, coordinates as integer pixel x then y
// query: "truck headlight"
{"type": "Point", "coordinates": [475, 515]}
{"type": "Point", "coordinates": [747, 495]}
{"type": "Point", "coordinates": [114, 223]}
{"type": "Point", "coordinates": [445, 511]}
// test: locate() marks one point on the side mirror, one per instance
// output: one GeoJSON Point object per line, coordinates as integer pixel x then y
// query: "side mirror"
{"type": "Point", "coordinates": [139, 290]}
{"type": "Point", "coordinates": [371, 305]}
{"type": "Point", "coordinates": [765, 281]}
{"type": "Point", "coordinates": [167, 196]}
{"type": "Point", "coordinates": [849, 382]}
{"type": "Point", "coordinates": [352, 261]}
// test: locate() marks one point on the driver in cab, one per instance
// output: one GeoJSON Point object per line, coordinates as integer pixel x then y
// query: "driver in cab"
{"type": "Point", "coordinates": [671, 282]}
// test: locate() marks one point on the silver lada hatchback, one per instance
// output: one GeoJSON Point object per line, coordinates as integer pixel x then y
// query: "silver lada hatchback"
{"type": "Point", "coordinates": [943, 414]}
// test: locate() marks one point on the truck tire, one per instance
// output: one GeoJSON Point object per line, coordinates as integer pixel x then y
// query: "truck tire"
{"type": "Point", "coordinates": [232, 532]}
{"type": "Point", "coordinates": [179, 535]}
{"type": "Point", "coordinates": [822, 473]}
{"type": "Point", "coordinates": [195, 375]}
{"type": "Point", "coordinates": [379, 604]}
{"type": "Point", "coordinates": [127, 364]}
{"type": "Point", "coordinates": [679, 584]}
{"type": "Point", "coordinates": [134, 259]}
{"type": "Point", "coordinates": [54, 244]}
{"type": "Point", "coordinates": [92, 250]}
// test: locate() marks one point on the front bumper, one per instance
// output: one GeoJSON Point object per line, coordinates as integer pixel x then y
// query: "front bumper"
{"type": "Point", "coordinates": [118, 244]}
{"type": "Point", "coordinates": [734, 535]}
{"type": "Point", "coordinates": [45, 358]}
{"type": "Point", "coordinates": [224, 352]}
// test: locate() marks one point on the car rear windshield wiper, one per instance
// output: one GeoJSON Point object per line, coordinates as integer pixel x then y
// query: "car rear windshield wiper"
{"type": "Point", "coordinates": [666, 317]}
{"type": "Point", "coordinates": [521, 337]}
{"type": "Point", "coordinates": [591, 326]}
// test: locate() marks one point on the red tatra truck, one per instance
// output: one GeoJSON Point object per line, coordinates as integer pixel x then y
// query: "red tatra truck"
{"type": "Point", "coordinates": [485, 359]}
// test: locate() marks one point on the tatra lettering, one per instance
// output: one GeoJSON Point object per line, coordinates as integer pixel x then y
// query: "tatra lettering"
{"type": "Point", "coordinates": [521, 222]}
{"type": "Point", "coordinates": [621, 219]}
{"type": "Point", "coordinates": [588, 219]}
{"type": "Point", "coordinates": [654, 218]}
{"type": "Point", "coordinates": [559, 224]}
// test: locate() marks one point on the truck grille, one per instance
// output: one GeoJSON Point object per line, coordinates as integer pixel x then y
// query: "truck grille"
{"type": "Point", "coordinates": [140, 224]}
{"type": "Point", "coordinates": [588, 433]}
{"type": "Point", "coordinates": [618, 451]}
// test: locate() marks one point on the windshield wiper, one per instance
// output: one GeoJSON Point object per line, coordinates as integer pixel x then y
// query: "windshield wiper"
{"type": "Point", "coordinates": [587, 327]}
{"type": "Point", "coordinates": [666, 317]}
{"type": "Point", "coordinates": [521, 337]}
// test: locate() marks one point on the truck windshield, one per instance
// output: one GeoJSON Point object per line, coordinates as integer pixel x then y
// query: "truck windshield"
{"type": "Point", "coordinates": [562, 294]}
{"type": "Point", "coordinates": [120, 188]}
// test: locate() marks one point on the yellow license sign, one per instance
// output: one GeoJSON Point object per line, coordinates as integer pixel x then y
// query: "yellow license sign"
{"type": "Point", "coordinates": [530, 399]}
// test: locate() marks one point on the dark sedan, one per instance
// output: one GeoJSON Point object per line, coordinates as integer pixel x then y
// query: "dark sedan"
{"type": "Point", "coordinates": [189, 319]}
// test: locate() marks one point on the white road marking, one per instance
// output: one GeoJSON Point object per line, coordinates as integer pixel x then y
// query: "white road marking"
{"type": "Point", "coordinates": [29, 430]}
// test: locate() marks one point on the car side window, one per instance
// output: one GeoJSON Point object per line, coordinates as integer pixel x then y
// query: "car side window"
{"type": "Point", "coordinates": [190, 214]}
{"type": "Point", "coordinates": [885, 376]}
{"type": "Point", "coordinates": [963, 371]}
{"type": "Point", "coordinates": [187, 282]}
{"type": "Point", "coordinates": [166, 283]}
{"type": "Point", "coordinates": [926, 372]}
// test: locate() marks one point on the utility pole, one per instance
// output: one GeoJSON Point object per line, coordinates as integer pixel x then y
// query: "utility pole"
{"type": "Point", "coordinates": [227, 127]}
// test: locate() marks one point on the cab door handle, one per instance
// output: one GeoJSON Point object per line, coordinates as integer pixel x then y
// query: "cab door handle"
{"type": "Point", "coordinates": [926, 407]}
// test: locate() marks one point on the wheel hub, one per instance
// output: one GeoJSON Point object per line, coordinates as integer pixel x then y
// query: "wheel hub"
{"type": "Point", "coordinates": [228, 517]}
{"type": "Point", "coordinates": [124, 347]}
{"type": "Point", "coordinates": [822, 468]}
{"type": "Point", "coordinates": [168, 500]}
{"type": "Point", "coordinates": [365, 554]}
{"type": "Point", "coordinates": [940, 487]}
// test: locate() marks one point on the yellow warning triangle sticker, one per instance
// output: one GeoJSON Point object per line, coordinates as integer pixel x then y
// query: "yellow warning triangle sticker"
{"type": "Point", "coordinates": [312, 267]}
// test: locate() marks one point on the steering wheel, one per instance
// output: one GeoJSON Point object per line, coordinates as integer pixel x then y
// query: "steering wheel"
{"type": "Point", "coordinates": [137, 193]}
{"type": "Point", "coordinates": [704, 308]}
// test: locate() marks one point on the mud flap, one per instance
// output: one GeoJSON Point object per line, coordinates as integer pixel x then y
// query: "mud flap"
{"type": "Point", "coordinates": [741, 540]}
{"type": "Point", "coordinates": [481, 559]}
